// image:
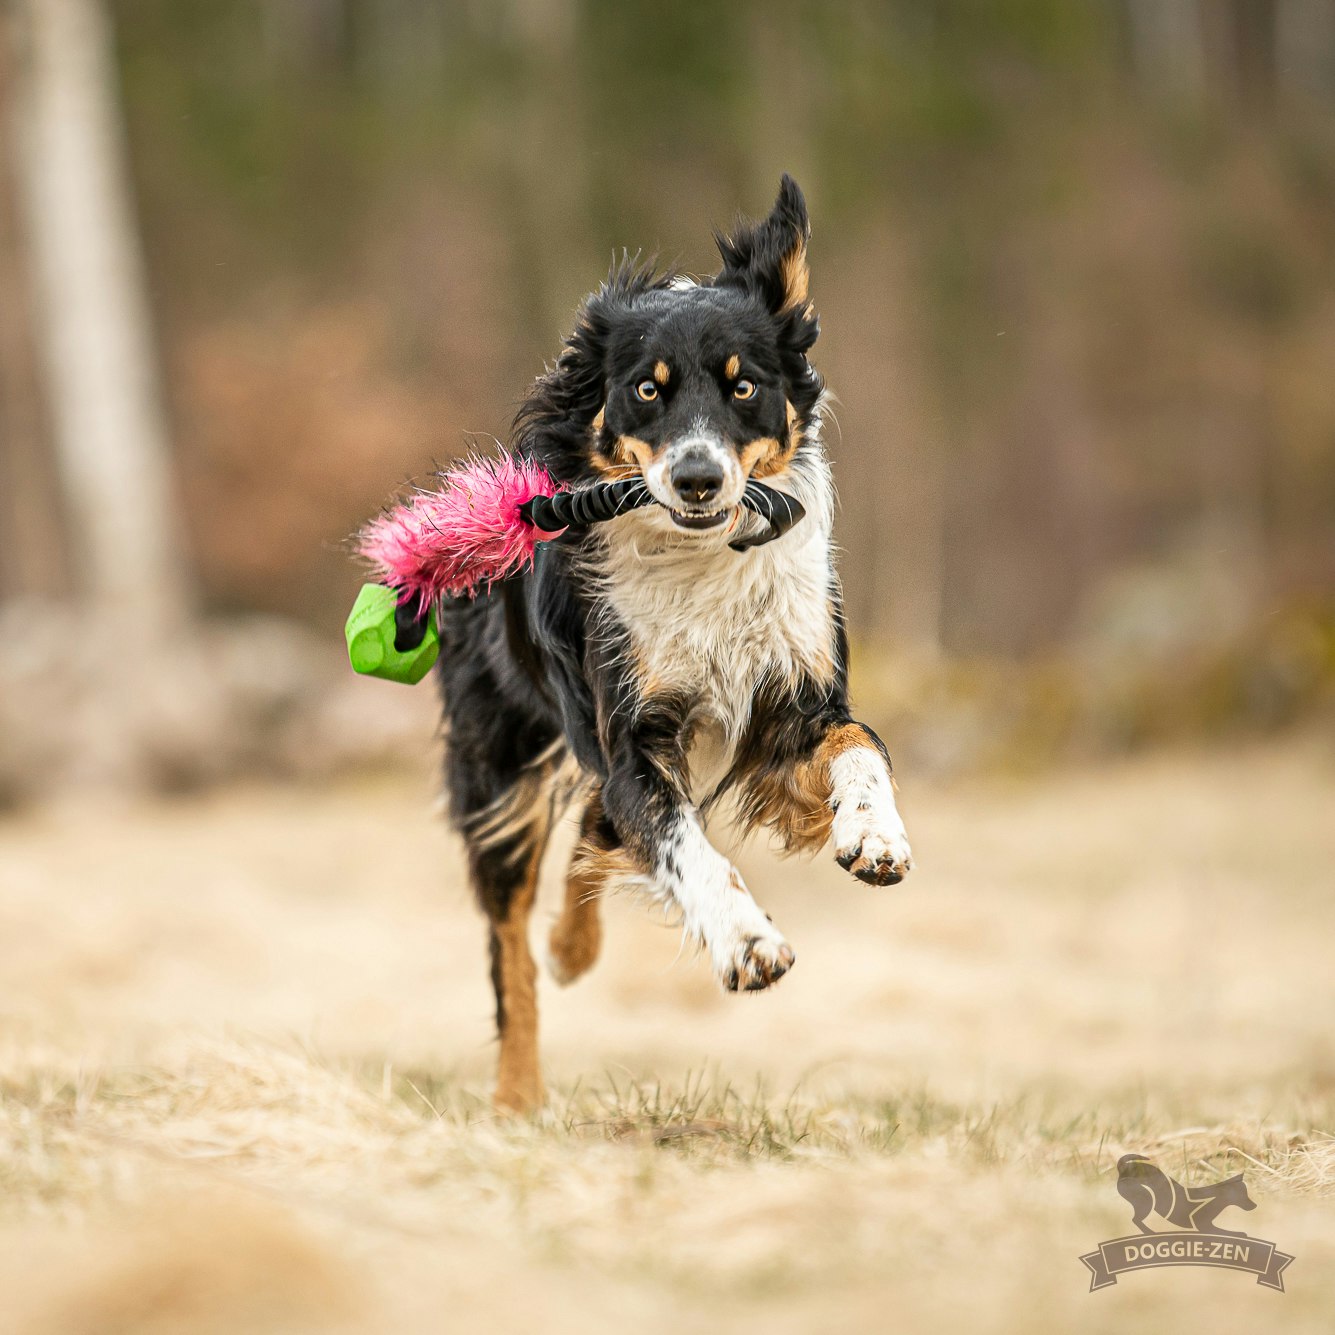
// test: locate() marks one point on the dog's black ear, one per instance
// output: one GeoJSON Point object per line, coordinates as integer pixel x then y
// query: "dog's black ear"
{"type": "Point", "coordinates": [581, 368]}
{"type": "Point", "coordinates": [769, 258]}
{"type": "Point", "coordinates": [565, 404]}
{"type": "Point", "coordinates": [555, 419]}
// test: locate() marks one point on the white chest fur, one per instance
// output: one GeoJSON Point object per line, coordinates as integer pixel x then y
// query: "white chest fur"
{"type": "Point", "coordinates": [714, 624]}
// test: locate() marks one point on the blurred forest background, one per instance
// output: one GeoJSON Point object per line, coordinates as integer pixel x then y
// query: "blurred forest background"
{"type": "Point", "coordinates": [262, 262]}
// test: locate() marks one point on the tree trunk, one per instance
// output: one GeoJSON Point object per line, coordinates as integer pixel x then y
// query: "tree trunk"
{"type": "Point", "coordinates": [1305, 48]}
{"type": "Point", "coordinates": [32, 534]}
{"type": "Point", "coordinates": [1167, 53]}
{"type": "Point", "coordinates": [92, 317]}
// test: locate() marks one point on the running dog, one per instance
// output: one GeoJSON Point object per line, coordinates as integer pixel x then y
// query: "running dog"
{"type": "Point", "coordinates": [1147, 1188]}
{"type": "Point", "coordinates": [669, 661]}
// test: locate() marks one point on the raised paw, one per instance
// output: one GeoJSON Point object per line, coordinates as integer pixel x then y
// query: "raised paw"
{"type": "Point", "coordinates": [874, 847]}
{"type": "Point", "coordinates": [569, 956]}
{"type": "Point", "coordinates": [758, 963]}
{"type": "Point", "coordinates": [749, 952]}
{"type": "Point", "coordinates": [572, 946]}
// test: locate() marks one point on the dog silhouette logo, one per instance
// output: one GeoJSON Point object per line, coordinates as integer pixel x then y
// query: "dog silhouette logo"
{"type": "Point", "coordinates": [1148, 1189]}
{"type": "Point", "coordinates": [1192, 1212]}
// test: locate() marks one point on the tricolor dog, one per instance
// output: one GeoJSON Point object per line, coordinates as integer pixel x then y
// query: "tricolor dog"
{"type": "Point", "coordinates": [655, 667]}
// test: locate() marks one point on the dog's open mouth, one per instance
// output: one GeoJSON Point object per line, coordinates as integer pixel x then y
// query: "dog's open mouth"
{"type": "Point", "coordinates": [694, 519]}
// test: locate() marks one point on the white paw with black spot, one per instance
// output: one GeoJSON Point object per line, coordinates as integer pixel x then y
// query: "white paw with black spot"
{"type": "Point", "coordinates": [751, 954]}
{"type": "Point", "coordinates": [871, 843]}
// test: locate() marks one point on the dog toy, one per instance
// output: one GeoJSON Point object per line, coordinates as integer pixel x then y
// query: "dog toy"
{"type": "Point", "coordinates": [384, 642]}
{"type": "Point", "coordinates": [483, 524]}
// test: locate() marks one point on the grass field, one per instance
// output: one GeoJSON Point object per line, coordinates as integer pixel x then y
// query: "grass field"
{"type": "Point", "coordinates": [245, 1048]}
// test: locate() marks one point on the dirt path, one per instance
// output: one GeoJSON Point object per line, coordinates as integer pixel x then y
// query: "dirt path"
{"type": "Point", "coordinates": [244, 1057]}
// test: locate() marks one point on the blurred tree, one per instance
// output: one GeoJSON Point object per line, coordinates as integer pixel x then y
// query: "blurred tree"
{"type": "Point", "coordinates": [92, 319]}
{"type": "Point", "coordinates": [1305, 47]}
{"type": "Point", "coordinates": [31, 541]}
{"type": "Point", "coordinates": [1166, 49]}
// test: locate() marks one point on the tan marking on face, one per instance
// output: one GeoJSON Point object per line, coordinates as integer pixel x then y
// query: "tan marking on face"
{"type": "Point", "coordinates": [636, 450]}
{"type": "Point", "coordinates": [599, 418]}
{"type": "Point", "coordinates": [796, 277]}
{"type": "Point", "coordinates": [778, 462]}
{"type": "Point", "coordinates": [662, 374]}
{"type": "Point", "coordinates": [758, 452]}
{"type": "Point", "coordinates": [734, 367]}
{"type": "Point", "coordinates": [790, 413]}
{"type": "Point", "coordinates": [611, 471]}
{"type": "Point", "coordinates": [767, 456]}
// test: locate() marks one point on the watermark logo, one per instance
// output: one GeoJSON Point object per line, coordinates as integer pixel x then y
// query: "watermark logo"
{"type": "Point", "coordinates": [1192, 1211]}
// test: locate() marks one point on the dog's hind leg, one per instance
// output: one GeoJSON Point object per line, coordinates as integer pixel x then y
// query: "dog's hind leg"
{"type": "Point", "coordinates": [505, 877]}
{"type": "Point", "coordinates": [514, 977]}
{"type": "Point", "coordinates": [576, 936]}
{"type": "Point", "coordinates": [501, 763]}
{"type": "Point", "coordinates": [1142, 1202]}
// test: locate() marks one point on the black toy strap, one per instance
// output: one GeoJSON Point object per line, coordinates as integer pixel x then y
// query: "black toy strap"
{"type": "Point", "coordinates": [409, 626]}
{"type": "Point", "coordinates": [779, 509]}
{"type": "Point", "coordinates": [606, 500]}
{"type": "Point", "coordinates": [588, 506]}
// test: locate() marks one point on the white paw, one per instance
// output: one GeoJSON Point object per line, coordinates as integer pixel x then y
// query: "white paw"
{"type": "Point", "coordinates": [749, 952]}
{"type": "Point", "coordinates": [869, 837]}
{"type": "Point", "coordinates": [873, 845]}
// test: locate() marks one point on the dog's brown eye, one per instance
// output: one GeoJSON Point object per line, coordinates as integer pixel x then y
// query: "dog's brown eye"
{"type": "Point", "coordinates": [647, 391]}
{"type": "Point", "coordinates": [744, 389]}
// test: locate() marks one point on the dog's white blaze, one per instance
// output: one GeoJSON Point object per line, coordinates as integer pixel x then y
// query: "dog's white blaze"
{"type": "Point", "coordinates": [656, 479]}
{"type": "Point", "coordinates": [658, 475]}
{"type": "Point", "coordinates": [863, 799]}
{"type": "Point", "coordinates": [712, 623]}
{"type": "Point", "coordinates": [716, 907]}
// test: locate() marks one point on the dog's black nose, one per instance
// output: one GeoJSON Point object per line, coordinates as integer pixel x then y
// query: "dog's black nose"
{"type": "Point", "coordinates": [697, 478]}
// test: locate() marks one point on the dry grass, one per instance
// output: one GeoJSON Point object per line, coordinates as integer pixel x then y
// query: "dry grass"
{"type": "Point", "coordinates": [243, 1073]}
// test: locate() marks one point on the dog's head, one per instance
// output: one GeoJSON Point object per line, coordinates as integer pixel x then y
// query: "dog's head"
{"type": "Point", "coordinates": [1234, 1191]}
{"type": "Point", "coordinates": [1137, 1167]}
{"type": "Point", "coordinates": [695, 386]}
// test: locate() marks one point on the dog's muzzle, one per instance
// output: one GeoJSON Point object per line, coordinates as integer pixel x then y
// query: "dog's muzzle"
{"type": "Point", "coordinates": [698, 480]}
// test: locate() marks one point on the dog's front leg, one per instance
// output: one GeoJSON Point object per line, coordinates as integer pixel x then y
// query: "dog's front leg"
{"type": "Point", "coordinates": [665, 837]}
{"type": "Point", "coordinates": [747, 950]}
{"type": "Point", "coordinates": [810, 773]}
{"type": "Point", "coordinates": [867, 832]}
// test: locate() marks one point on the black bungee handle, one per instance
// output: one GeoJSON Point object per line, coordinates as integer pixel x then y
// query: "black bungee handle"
{"type": "Point", "coordinates": [606, 500]}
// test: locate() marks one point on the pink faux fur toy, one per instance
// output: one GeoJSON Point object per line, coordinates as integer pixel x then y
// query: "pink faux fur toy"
{"type": "Point", "coordinates": [466, 534]}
